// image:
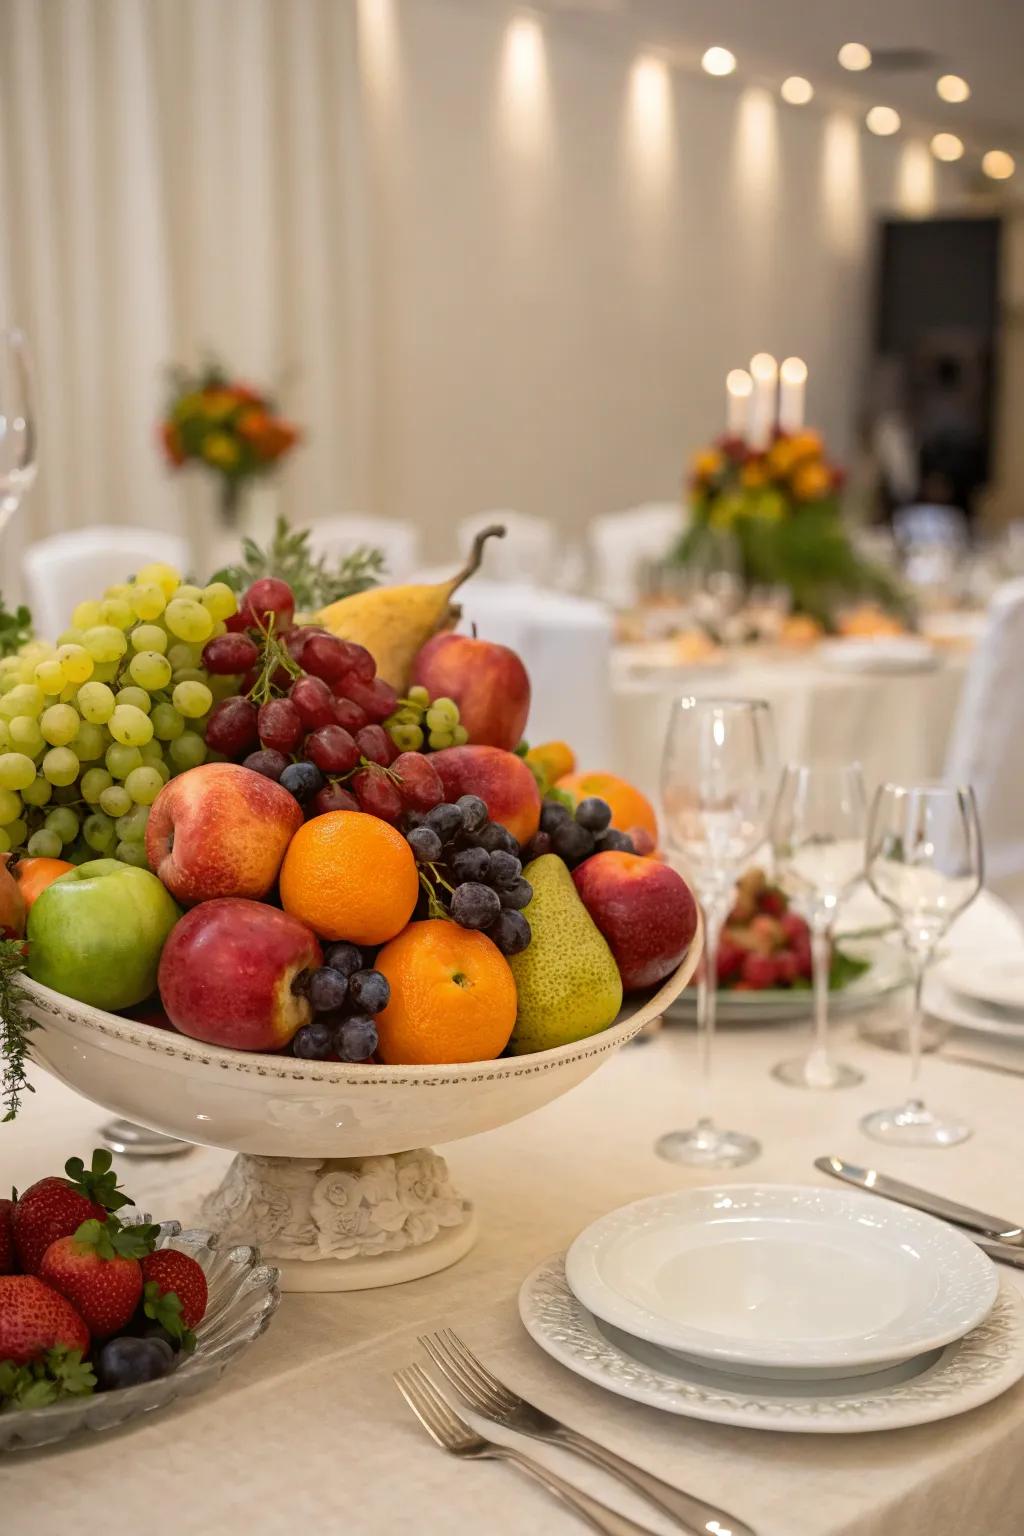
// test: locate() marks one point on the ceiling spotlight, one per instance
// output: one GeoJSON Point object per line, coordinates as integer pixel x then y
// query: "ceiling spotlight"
{"type": "Point", "coordinates": [718, 61]}
{"type": "Point", "coordinates": [855, 56]}
{"type": "Point", "coordinates": [883, 121]}
{"type": "Point", "coordinates": [946, 146]}
{"type": "Point", "coordinates": [796, 90]}
{"type": "Point", "coordinates": [998, 164]}
{"type": "Point", "coordinates": [952, 88]}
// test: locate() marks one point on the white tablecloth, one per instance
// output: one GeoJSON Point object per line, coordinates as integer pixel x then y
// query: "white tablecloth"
{"type": "Point", "coordinates": [307, 1432]}
{"type": "Point", "coordinates": [897, 726]}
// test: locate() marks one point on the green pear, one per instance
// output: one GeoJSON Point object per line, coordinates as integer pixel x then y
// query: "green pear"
{"type": "Point", "coordinates": [568, 983]}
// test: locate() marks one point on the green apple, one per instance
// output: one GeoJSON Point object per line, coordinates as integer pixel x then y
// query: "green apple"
{"type": "Point", "coordinates": [96, 933]}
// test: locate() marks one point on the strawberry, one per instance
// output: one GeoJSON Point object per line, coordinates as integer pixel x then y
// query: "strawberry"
{"type": "Point", "coordinates": [760, 971]}
{"type": "Point", "coordinates": [35, 1318]}
{"type": "Point", "coordinates": [773, 902]}
{"type": "Point", "coordinates": [56, 1207]}
{"type": "Point", "coordinates": [794, 929]}
{"type": "Point", "coordinates": [98, 1271]}
{"type": "Point", "coordinates": [168, 1273]}
{"type": "Point", "coordinates": [8, 1263]}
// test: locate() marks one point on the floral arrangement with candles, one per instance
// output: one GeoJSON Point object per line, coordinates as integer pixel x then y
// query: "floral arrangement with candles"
{"type": "Point", "coordinates": [769, 485]}
{"type": "Point", "coordinates": [234, 431]}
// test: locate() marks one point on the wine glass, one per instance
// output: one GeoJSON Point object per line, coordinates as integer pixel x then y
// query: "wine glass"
{"type": "Point", "coordinates": [716, 790]}
{"type": "Point", "coordinates": [924, 860]}
{"type": "Point", "coordinates": [818, 841]}
{"type": "Point", "coordinates": [17, 424]}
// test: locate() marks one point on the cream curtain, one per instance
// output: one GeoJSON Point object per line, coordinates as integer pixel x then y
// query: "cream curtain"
{"type": "Point", "coordinates": [178, 177]}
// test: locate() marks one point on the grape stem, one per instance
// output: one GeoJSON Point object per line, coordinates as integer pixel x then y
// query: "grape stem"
{"type": "Point", "coordinates": [434, 907]}
{"type": "Point", "coordinates": [274, 655]}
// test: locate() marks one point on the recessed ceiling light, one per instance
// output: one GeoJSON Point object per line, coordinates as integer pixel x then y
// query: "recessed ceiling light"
{"type": "Point", "coordinates": [883, 121]}
{"type": "Point", "coordinates": [952, 88]}
{"type": "Point", "coordinates": [796, 90]}
{"type": "Point", "coordinates": [946, 146]}
{"type": "Point", "coordinates": [998, 164]}
{"type": "Point", "coordinates": [718, 61]}
{"type": "Point", "coordinates": [855, 56]}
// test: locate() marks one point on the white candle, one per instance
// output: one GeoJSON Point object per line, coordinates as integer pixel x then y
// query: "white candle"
{"type": "Point", "coordinates": [765, 371]}
{"type": "Point", "coordinates": [738, 389]}
{"type": "Point", "coordinates": [792, 393]}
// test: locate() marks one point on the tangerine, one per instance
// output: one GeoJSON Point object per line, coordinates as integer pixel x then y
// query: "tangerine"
{"type": "Point", "coordinates": [350, 876]}
{"type": "Point", "coordinates": [554, 759]}
{"type": "Point", "coordinates": [453, 996]}
{"type": "Point", "coordinates": [34, 875]}
{"type": "Point", "coordinates": [628, 806]}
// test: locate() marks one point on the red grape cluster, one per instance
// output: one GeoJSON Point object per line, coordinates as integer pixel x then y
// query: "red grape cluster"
{"type": "Point", "coordinates": [470, 871]}
{"type": "Point", "coordinates": [310, 711]}
{"type": "Point", "coordinates": [345, 995]}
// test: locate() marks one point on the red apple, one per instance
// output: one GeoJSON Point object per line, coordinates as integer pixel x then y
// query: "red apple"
{"type": "Point", "coordinates": [220, 830]}
{"type": "Point", "coordinates": [487, 681]}
{"type": "Point", "coordinates": [226, 974]}
{"type": "Point", "coordinates": [644, 909]}
{"type": "Point", "coordinates": [503, 782]}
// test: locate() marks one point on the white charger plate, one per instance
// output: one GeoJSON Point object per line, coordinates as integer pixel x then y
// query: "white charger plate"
{"type": "Point", "coordinates": [994, 980]}
{"type": "Point", "coordinates": [940, 1002]}
{"type": "Point", "coordinates": [963, 1375]}
{"type": "Point", "coordinates": [760, 1277]}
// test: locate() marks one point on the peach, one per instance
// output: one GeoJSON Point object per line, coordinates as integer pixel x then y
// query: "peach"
{"type": "Point", "coordinates": [503, 782]}
{"type": "Point", "coordinates": [220, 830]}
{"type": "Point", "coordinates": [227, 970]}
{"type": "Point", "coordinates": [487, 681]}
{"type": "Point", "coordinates": [644, 909]}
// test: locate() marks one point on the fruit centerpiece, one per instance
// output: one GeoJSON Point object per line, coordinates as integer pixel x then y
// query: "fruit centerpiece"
{"type": "Point", "coordinates": [286, 889]}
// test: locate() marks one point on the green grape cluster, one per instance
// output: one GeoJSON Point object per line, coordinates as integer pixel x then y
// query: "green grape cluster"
{"type": "Point", "coordinates": [420, 725]}
{"type": "Point", "coordinates": [92, 728]}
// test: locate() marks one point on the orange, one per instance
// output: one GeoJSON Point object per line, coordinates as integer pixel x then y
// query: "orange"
{"type": "Point", "coordinates": [453, 996]}
{"type": "Point", "coordinates": [629, 807]}
{"type": "Point", "coordinates": [350, 876]}
{"type": "Point", "coordinates": [554, 759]}
{"type": "Point", "coordinates": [34, 875]}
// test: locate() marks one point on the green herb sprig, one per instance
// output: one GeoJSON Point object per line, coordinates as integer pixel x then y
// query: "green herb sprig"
{"type": "Point", "coordinates": [15, 628]}
{"type": "Point", "coordinates": [15, 1027]}
{"type": "Point", "coordinates": [314, 580]}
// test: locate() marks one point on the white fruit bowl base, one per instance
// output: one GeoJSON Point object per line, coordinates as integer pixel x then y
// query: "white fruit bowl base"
{"type": "Point", "coordinates": [345, 1223]}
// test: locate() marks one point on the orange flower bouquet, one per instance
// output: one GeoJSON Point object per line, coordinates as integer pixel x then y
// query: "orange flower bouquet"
{"type": "Point", "coordinates": [781, 504]}
{"type": "Point", "coordinates": [235, 431]}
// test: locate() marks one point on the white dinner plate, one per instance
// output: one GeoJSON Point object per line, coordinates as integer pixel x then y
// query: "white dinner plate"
{"type": "Point", "coordinates": [950, 1008]}
{"type": "Point", "coordinates": [966, 1373]}
{"type": "Point", "coordinates": [887, 974]}
{"type": "Point", "coordinates": [888, 653]}
{"type": "Point", "coordinates": [994, 980]}
{"type": "Point", "coordinates": [791, 1277]}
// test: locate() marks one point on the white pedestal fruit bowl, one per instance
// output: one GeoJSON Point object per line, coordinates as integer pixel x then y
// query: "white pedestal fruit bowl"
{"type": "Point", "coordinates": [333, 1177]}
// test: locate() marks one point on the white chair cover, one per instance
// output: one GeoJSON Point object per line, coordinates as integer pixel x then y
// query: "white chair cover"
{"type": "Point", "coordinates": [622, 543]}
{"type": "Point", "coordinates": [528, 552]}
{"type": "Point", "coordinates": [565, 645]}
{"type": "Point", "coordinates": [64, 570]}
{"type": "Point", "coordinates": [988, 738]}
{"type": "Point", "coordinates": [337, 537]}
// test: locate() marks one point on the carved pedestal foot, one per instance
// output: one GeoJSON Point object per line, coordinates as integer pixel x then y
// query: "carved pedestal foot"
{"type": "Point", "coordinates": [344, 1224]}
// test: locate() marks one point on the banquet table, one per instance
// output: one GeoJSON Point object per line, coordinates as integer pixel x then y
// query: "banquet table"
{"type": "Point", "coordinates": [307, 1431]}
{"type": "Point", "coordinates": [898, 725]}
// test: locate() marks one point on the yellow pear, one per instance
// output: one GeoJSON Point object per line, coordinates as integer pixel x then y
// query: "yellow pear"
{"type": "Point", "coordinates": [395, 622]}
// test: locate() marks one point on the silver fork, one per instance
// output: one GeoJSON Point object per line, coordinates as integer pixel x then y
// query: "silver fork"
{"type": "Point", "coordinates": [453, 1435]}
{"type": "Point", "coordinates": [494, 1401]}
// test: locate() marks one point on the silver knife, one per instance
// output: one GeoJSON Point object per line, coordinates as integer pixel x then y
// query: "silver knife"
{"type": "Point", "coordinates": [997, 1232]}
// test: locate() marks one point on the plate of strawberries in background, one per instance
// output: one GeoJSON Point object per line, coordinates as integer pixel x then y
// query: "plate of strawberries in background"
{"type": "Point", "coordinates": [106, 1315]}
{"type": "Point", "coordinates": [764, 963]}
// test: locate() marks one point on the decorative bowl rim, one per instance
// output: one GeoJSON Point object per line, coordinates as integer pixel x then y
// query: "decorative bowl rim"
{"type": "Point", "coordinates": [167, 1043]}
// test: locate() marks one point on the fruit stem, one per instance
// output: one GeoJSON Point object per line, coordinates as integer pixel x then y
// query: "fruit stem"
{"type": "Point", "coordinates": [476, 554]}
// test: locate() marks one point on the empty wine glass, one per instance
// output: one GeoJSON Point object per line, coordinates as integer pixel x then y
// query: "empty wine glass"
{"type": "Point", "coordinates": [818, 842]}
{"type": "Point", "coordinates": [717, 779]}
{"type": "Point", "coordinates": [17, 424]}
{"type": "Point", "coordinates": [924, 860]}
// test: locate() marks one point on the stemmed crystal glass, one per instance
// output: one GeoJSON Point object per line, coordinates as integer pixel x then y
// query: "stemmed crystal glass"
{"type": "Point", "coordinates": [717, 780]}
{"type": "Point", "coordinates": [17, 424]}
{"type": "Point", "coordinates": [924, 860]}
{"type": "Point", "coordinates": [818, 841]}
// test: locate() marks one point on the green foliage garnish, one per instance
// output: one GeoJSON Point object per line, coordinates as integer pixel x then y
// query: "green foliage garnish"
{"type": "Point", "coordinates": [111, 1239]}
{"type": "Point", "coordinates": [15, 1027]}
{"type": "Point", "coordinates": [845, 968]}
{"type": "Point", "coordinates": [59, 1373]}
{"type": "Point", "coordinates": [313, 580]}
{"type": "Point", "coordinates": [15, 628]}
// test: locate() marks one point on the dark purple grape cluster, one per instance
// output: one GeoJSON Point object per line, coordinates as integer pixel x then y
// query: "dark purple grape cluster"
{"type": "Point", "coordinates": [575, 837]}
{"type": "Point", "coordinates": [470, 870]}
{"type": "Point", "coordinates": [345, 995]}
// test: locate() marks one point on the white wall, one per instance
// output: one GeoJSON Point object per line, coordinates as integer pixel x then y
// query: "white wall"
{"type": "Point", "coordinates": [487, 265]}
